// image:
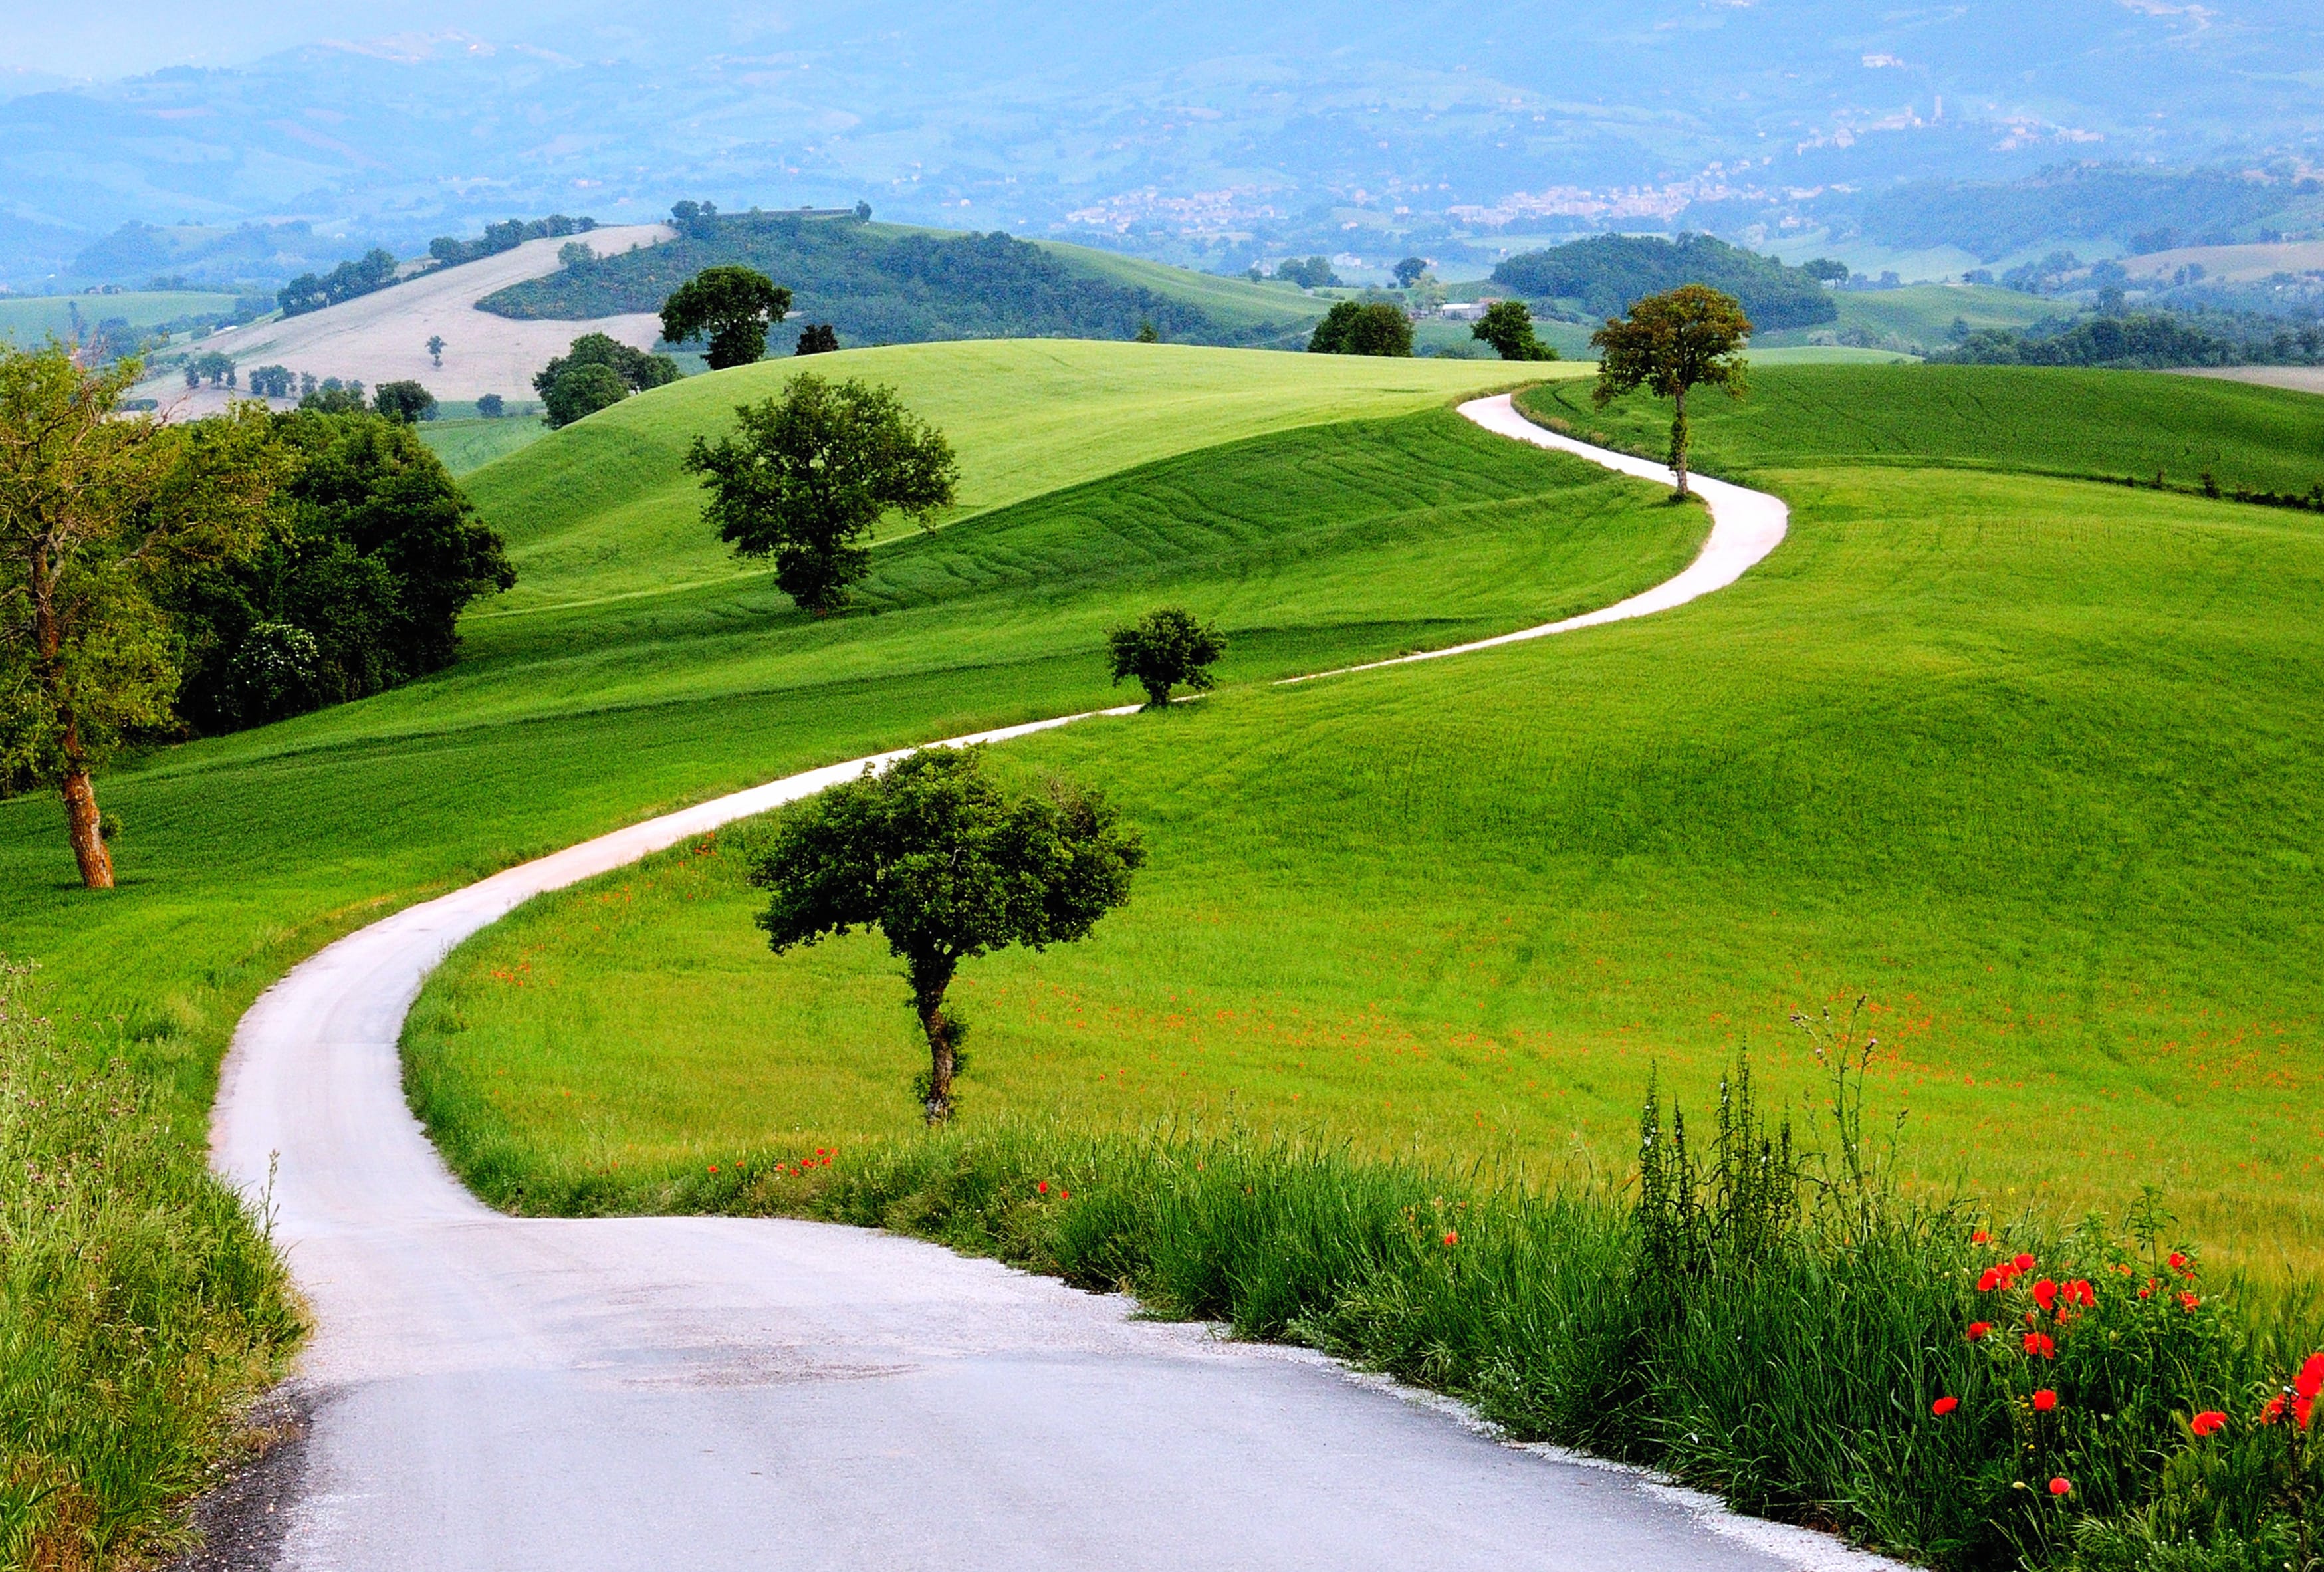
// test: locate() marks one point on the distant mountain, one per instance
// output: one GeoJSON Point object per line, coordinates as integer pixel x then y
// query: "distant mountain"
{"type": "Point", "coordinates": [1200, 132]}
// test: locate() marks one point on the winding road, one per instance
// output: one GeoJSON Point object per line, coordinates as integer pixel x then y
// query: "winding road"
{"type": "Point", "coordinates": [501, 1392]}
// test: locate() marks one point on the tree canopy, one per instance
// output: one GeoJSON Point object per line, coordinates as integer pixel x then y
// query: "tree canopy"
{"type": "Point", "coordinates": [1672, 342]}
{"type": "Point", "coordinates": [1355, 327]}
{"type": "Point", "coordinates": [405, 402]}
{"type": "Point", "coordinates": [1606, 272]}
{"type": "Point", "coordinates": [1408, 271]}
{"type": "Point", "coordinates": [1166, 647]}
{"type": "Point", "coordinates": [100, 510]}
{"type": "Point", "coordinates": [731, 305]}
{"type": "Point", "coordinates": [804, 477]}
{"type": "Point", "coordinates": [947, 867]}
{"type": "Point", "coordinates": [1508, 327]}
{"type": "Point", "coordinates": [597, 371]}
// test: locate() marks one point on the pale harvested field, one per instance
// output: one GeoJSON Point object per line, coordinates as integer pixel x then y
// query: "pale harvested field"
{"type": "Point", "coordinates": [383, 336]}
{"type": "Point", "coordinates": [2235, 265]}
{"type": "Point", "coordinates": [2305, 379]}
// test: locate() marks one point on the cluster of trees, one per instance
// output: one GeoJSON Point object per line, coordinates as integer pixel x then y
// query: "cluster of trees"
{"type": "Point", "coordinates": [1313, 272]}
{"type": "Point", "coordinates": [449, 250]}
{"type": "Point", "coordinates": [214, 573]}
{"type": "Point", "coordinates": [595, 373]}
{"type": "Point", "coordinates": [1606, 272]}
{"type": "Point", "coordinates": [375, 269]}
{"type": "Point", "coordinates": [2146, 340]}
{"type": "Point", "coordinates": [874, 285]}
{"type": "Point", "coordinates": [214, 366]}
{"type": "Point", "coordinates": [1363, 328]}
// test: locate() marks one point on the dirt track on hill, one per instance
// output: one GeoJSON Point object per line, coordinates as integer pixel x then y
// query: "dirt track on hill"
{"type": "Point", "coordinates": [383, 337]}
{"type": "Point", "coordinates": [501, 1392]}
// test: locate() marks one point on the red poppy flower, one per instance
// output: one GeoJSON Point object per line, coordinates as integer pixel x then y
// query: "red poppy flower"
{"type": "Point", "coordinates": [1943, 1406]}
{"type": "Point", "coordinates": [2080, 1292]}
{"type": "Point", "coordinates": [2189, 1301]}
{"type": "Point", "coordinates": [2040, 1346]}
{"type": "Point", "coordinates": [1043, 1187]}
{"type": "Point", "coordinates": [2177, 1259]}
{"type": "Point", "coordinates": [2045, 1400]}
{"type": "Point", "coordinates": [1978, 1329]}
{"type": "Point", "coordinates": [1990, 1281]}
{"type": "Point", "coordinates": [2273, 1411]}
{"type": "Point", "coordinates": [2303, 1409]}
{"type": "Point", "coordinates": [1981, 1237]}
{"type": "Point", "coordinates": [1065, 1195]}
{"type": "Point", "coordinates": [2062, 1485]}
{"type": "Point", "coordinates": [713, 1168]}
{"type": "Point", "coordinates": [2023, 1263]}
{"type": "Point", "coordinates": [2148, 1291]}
{"type": "Point", "coordinates": [1451, 1238]}
{"type": "Point", "coordinates": [2208, 1421]}
{"type": "Point", "coordinates": [2045, 1294]}
{"type": "Point", "coordinates": [2310, 1382]}
{"type": "Point", "coordinates": [827, 1162]}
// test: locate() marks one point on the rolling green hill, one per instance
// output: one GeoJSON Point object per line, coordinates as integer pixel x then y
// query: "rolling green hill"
{"type": "Point", "coordinates": [2028, 760]}
{"type": "Point", "coordinates": [31, 318]}
{"type": "Point", "coordinates": [885, 283]}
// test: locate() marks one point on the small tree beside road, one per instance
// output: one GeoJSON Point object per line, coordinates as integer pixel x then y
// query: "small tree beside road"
{"type": "Point", "coordinates": [1166, 648]}
{"type": "Point", "coordinates": [804, 477]}
{"type": "Point", "coordinates": [948, 866]}
{"type": "Point", "coordinates": [731, 307]}
{"type": "Point", "coordinates": [1686, 339]}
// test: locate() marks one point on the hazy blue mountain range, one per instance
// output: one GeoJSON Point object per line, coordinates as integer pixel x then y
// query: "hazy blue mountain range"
{"type": "Point", "coordinates": [1202, 132]}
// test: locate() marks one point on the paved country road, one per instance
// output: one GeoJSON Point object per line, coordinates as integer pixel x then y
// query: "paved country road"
{"type": "Point", "coordinates": [680, 1392]}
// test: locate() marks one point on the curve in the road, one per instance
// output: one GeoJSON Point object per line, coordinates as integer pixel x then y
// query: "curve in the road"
{"type": "Point", "coordinates": [504, 1393]}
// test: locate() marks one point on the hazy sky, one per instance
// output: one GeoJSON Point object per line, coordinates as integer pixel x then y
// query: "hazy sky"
{"type": "Point", "coordinates": [118, 38]}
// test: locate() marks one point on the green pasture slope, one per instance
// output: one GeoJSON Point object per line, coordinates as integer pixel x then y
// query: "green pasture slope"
{"type": "Point", "coordinates": [2031, 761]}
{"type": "Point", "coordinates": [638, 668]}
{"type": "Point", "coordinates": [31, 319]}
{"type": "Point", "coordinates": [467, 443]}
{"type": "Point", "coordinates": [1924, 314]}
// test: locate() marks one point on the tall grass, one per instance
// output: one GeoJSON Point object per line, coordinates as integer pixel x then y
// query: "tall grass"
{"type": "Point", "coordinates": [1775, 1325]}
{"type": "Point", "coordinates": [140, 1307]}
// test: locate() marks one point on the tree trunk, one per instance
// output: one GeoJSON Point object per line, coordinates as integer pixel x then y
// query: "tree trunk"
{"type": "Point", "coordinates": [930, 977]}
{"type": "Point", "coordinates": [1678, 442]}
{"type": "Point", "coordinates": [87, 834]}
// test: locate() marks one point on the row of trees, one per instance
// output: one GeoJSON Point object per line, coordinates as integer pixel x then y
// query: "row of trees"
{"type": "Point", "coordinates": [211, 574]}
{"type": "Point", "coordinates": [1379, 327]}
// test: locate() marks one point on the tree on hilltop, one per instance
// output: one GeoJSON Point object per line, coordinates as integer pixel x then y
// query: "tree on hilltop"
{"type": "Point", "coordinates": [818, 338]}
{"type": "Point", "coordinates": [1354, 327]}
{"type": "Point", "coordinates": [1166, 648]}
{"type": "Point", "coordinates": [804, 477]}
{"type": "Point", "coordinates": [1409, 272]}
{"type": "Point", "coordinates": [595, 371]}
{"type": "Point", "coordinates": [733, 307]}
{"type": "Point", "coordinates": [1671, 343]}
{"type": "Point", "coordinates": [1508, 327]}
{"type": "Point", "coordinates": [99, 508]}
{"type": "Point", "coordinates": [947, 867]}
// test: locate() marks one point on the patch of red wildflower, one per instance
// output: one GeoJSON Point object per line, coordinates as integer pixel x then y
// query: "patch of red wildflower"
{"type": "Point", "coordinates": [1042, 1188]}
{"type": "Point", "coordinates": [2273, 1411]}
{"type": "Point", "coordinates": [2062, 1485]}
{"type": "Point", "coordinates": [1981, 1237]}
{"type": "Point", "coordinates": [1978, 1329]}
{"type": "Point", "coordinates": [1943, 1406]}
{"type": "Point", "coordinates": [2207, 1421]}
{"type": "Point", "coordinates": [2023, 1263]}
{"type": "Point", "coordinates": [2040, 1346]}
{"type": "Point", "coordinates": [2045, 1400]}
{"type": "Point", "coordinates": [2188, 1302]}
{"type": "Point", "coordinates": [2177, 1259]}
{"type": "Point", "coordinates": [2045, 1294]}
{"type": "Point", "coordinates": [2310, 1382]}
{"type": "Point", "coordinates": [1452, 1236]}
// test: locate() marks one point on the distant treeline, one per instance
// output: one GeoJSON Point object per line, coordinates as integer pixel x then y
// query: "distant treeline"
{"type": "Point", "coordinates": [880, 285]}
{"type": "Point", "coordinates": [376, 269]}
{"type": "Point", "coordinates": [2151, 341]}
{"type": "Point", "coordinates": [1604, 274]}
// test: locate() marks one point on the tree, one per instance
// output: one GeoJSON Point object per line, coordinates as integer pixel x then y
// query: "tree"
{"type": "Point", "coordinates": [1826, 268]}
{"type": "Point", "coordinates": [1409, 272]}
{"type": "Point", "coordinates": [863, 213]}
{"type": "Point", "coordinates": [1686, 339]}
{"type": "Point", "coordinates": [818, 338]}
{"type": "Point", "coordinates": [947, 867]}
{"type": "Point", "coordinates": [1314, 273]}
{"type": "Point", "coordinates": [270, 382]}
{"type": "Point", "coordinates": [332, 399]}
{"type": "Point", "coordinates": [436, 346]}
{"type": "Point", "coordinates": [732, 306]}
{"type": "Point", "coordinates": [580, 392]}
{"type": "Point", "coordinates": [1147, 333]}
{"type": "Point", "coordinates": [490, 407]}
{"type": "Point", "coordinates": [1352, 327]}
{"type": "Point", "coordinates": [98, 508]}
{"type": "Point", "coordinates": [1164, 648]}
{"type": "Point", "coordinates": [1508, 327]}
{"type": "Point", "coordinates": [807, 475]}
{"type": "Point", "coordinates": [406, 403]}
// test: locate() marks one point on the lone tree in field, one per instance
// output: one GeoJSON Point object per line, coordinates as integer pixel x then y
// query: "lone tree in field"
{"type": "Point", "coordinates": [98, 509]}
{"type": "Point", "coordinates": [1686, 339]}
{"type": "Point", "coordinates": [948, 866]}
{"type": "Point", "coordinates": [1352, 327]}
{"type": "Point", "coordinates": [806, 476]}
{"type": "Point", "coordinates": [406, 403]}
{"type": "Point", "coordinates": [1164, 649]}
{"type": "Point", "coordinates": [818, 338]}
{"type": "Point", "coordinates": [435, 348]}
{"type": "Point", "coordinates": [731, 307]}
{"type": "Point", "coordinates": [1508, 327]}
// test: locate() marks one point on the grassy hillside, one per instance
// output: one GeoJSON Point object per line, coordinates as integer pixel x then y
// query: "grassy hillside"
{"type": "Point", "coordinates": [1919, 314]}
{"type": "Point", "coordinates": [2031, 761]}
{"type": "Point", "coordinates": [466, 446]}
{"type": "Point", "coordinates": [31, 318]}
{"type": "Point", "coordinates": [886, 283]}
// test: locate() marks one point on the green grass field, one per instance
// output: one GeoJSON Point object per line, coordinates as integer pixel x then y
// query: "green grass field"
{"type": "Point", "coordinates": [31, 318]}
{"type": "Point", "coordinates": [2029, 760]}
{"type": "Point", "coordinates": [1924, 314]}
{"type": "Point", "coordinates": [1233, 301]}
{"type": "Point", "coordinates": [467, 444]}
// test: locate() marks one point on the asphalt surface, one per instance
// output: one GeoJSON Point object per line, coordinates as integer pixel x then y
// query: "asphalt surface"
{"type": "Point", "coordinates": [493, 1392]}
